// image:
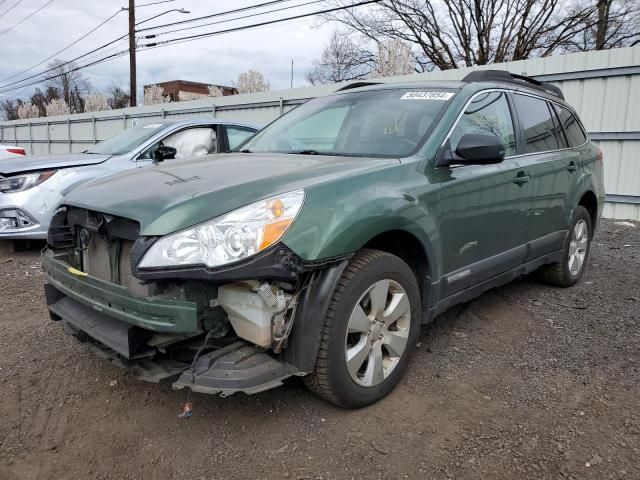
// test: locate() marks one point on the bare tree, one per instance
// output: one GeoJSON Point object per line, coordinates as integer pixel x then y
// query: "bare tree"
{"type": "Point", "coordinates": [456, 33]}
{"type": "Point", "coordinates": [96, 102]}
{"type": "Point", "coordinates": [70, 84]}
{"type": "Point", "coordinates": [153, 95]}
{"type": "Point", "coordinates": [342, 59]}
{"type": "Point", "coordinates": [394, 58]}
{"type": "Point", "coordinates": [40, 99]}
{"type": "Point", "coordinates": [612, 24]}
{"type": "Point", "coordinates": [252, 81]}
{"type": "Point", "coordinates": [28, 110]}
{"type": "Point", "coordinates": [56, 107]}
{"type": "Point", "coordinates": [9, 108]}
{"type": "Point", "coordinates": [117, 97]}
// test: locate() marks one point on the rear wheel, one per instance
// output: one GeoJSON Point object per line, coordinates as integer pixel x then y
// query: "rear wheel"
{"type": "Point", "coordinates": [570, 269]}
{"type": "Point", "coordinates": [370, 331]}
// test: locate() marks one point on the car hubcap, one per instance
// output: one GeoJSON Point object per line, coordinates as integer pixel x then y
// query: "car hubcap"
{"type": "Point", "coordinates": [377, 333]}
{"type": "Point", "coordinates": [578, 247]}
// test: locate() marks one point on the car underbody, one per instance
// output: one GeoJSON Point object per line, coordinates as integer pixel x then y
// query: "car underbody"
{"type": "Point", "coordinates": [243, 328]}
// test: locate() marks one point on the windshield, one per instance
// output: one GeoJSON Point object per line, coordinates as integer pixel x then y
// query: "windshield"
{"type": "Point", "coordinates": [376, 123]}
{"type": "Point", "coordinates": [126, 141]}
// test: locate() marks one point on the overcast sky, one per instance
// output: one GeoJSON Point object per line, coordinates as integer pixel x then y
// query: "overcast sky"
{"type": "Point", "coordinates": [217, 59]}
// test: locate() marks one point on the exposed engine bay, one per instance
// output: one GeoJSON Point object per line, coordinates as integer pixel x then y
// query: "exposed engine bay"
{"type": "Point", "coordinates": [221, 335]}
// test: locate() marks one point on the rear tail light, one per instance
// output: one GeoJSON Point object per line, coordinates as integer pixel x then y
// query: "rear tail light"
{"type": "Point", "coordinates": [599, 156]}
{"type": "Point", "coordinates": [18, 151]}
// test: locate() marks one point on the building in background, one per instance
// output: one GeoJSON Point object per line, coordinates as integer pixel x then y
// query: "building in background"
{"type": "Point", "coordinates": [182, 90]}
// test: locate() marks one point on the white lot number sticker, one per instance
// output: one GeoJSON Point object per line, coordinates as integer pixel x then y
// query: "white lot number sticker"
{"type": "Point", "coordinates": [427, 96]}
{"type": "Point", "coordinates": [153, 125]}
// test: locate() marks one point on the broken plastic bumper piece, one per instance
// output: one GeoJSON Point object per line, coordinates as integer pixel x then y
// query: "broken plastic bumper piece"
{"type": "Point", "coordinates": [236, 368]}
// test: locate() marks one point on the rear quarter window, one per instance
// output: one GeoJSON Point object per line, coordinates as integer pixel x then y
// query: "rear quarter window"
{"type": "Point", "coordinates": [540, 132]}
{"type": "Point", "coordinates": [575, 135]}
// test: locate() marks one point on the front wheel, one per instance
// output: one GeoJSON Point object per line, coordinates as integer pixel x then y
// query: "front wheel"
{"type": "Point", "coordinates": [570, 269]}
{"type": "Point", "coordinates": [370, 331]}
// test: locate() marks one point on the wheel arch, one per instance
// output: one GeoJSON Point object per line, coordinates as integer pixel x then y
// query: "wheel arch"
{"type": "Point", "coordinates": [408, 247]}
{"type": "Point", "coordinates": [589, 201]}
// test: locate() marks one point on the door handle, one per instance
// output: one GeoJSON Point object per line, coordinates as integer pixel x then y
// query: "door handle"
{"type": "Point", "coordinates": [521, 178]}
{"type": "Point", "coordinates": [572, 167]}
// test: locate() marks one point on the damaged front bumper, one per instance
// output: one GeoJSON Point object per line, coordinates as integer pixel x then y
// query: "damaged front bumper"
{"type": "Point", "coordinates": [160, 340]}
{"type": "Point", "coordinates": [115, 300]}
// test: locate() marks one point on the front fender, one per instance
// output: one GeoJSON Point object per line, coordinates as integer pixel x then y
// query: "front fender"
{"type": "Point", "coordinates": [341, 221]}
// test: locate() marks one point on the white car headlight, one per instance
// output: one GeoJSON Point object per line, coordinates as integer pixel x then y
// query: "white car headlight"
{"type": "Point", "coordinates": [234, 236]}
{"type": "Point", "coordinates": [20, 183]}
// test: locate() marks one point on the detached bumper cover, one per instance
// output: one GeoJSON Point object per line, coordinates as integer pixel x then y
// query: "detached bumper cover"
{"type": "Point", "coordinates": [116, 302]}
{"type": "Point", "coordinates": [236, 368]}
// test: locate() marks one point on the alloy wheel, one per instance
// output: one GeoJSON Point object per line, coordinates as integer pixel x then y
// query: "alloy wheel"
{"type": "Point", "coordinates": [578, 247]}
{"type": "Point", "coordinates": [377, 333]}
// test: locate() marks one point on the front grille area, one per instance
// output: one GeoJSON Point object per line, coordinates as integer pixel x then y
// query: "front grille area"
{"type": "Point", "coordinates": [96, 258]}
{"type": "Point", "coordinates": [99, 244]}
{"type": "Point", "coordinates": [135, 286]}
{"type": "Point", "coordinates": [97, 263]}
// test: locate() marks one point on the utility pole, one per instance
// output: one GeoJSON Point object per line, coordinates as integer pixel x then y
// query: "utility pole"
{"type": "Point", "coordinates": [132, 53]}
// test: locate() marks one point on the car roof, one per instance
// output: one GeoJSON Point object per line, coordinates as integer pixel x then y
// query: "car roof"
{"type": "Point", "coordinates": [475, 86]}
{"type": "Point", "coordinates": [366, 86]}
{"type": "Point", "coordinates": [203, 121]}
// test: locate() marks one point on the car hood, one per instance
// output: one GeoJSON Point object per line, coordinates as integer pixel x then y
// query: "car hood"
{"type": "Point", "coordinates": [10, 166]}
{"type": "Point", "coordinates": [180, 193]}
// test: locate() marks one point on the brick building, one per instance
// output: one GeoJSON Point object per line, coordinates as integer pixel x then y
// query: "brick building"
{"type": "Point", "coordinates": [182, 90]}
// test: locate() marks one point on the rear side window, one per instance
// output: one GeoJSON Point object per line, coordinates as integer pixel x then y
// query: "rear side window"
{"type": "Point", "coordinates": [487, 114]}
{"type": "Point", "coordinates": [540, 131]}
{"type": "Point", "coordinates": [573, 130]}
{"type": "Point", "coordinates": [236, 136]}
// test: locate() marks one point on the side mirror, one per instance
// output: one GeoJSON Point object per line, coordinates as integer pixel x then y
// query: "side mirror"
{"type": "Point", "coordinates": [164, 152]}
{"type": "Point", "coordinates": [475, 149]}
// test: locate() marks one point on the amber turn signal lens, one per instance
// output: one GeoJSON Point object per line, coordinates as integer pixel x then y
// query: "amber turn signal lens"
{"type": "Point", "coordinates": [274, 231]}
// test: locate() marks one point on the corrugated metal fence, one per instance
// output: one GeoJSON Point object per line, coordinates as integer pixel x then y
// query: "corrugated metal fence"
{"type": "Point", "coordinates": [604, 87]}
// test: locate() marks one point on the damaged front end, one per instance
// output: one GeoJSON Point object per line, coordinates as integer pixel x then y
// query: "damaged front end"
{"type": "Point", "coordinates": [244, 328]}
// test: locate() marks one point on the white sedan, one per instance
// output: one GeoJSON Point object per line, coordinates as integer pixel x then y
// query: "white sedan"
{"type": "Point", "coordinates": [7, 151]}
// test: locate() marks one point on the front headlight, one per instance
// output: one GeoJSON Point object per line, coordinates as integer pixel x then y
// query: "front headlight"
{"type": "Point", "coordinates": [20, 183]}
{"type": "Point", "coordinates": [229, 238]}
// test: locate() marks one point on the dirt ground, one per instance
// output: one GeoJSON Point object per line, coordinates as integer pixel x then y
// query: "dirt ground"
{"type": "Point", "coordinates": [527, 381]}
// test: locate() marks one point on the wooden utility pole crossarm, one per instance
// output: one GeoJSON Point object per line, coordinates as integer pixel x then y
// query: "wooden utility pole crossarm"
{"type": "Point", "coordinates": [132, 53]}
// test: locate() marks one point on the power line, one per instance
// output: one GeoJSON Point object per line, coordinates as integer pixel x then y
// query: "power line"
{"type": "Point", "coordinates": [68, 61]}
{"type": "Point", "coordinates": [150, 46]}
{"type": "Point", "coordinates": [27, 17]}
{"type": "Point", "coordinates": [108, 44]}
{"type": "Point", "coordinates": [218, 14]}
{"type": "Point", "coordinates": [11, 8]}
{"type": "Point", "coordinates": [75, 69]}
{"type": "Point", "coordinates": [153, 3]}
{"type": "Point", "coordinates": [231, 19]}
{"type": "Point", "coordinates": [61, 50]}
{"type": "Point", "coordinates": [255, 25]}
{"type": "Point", "coordinates": [64, 63]}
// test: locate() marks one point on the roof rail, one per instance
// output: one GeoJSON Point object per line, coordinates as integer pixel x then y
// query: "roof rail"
{"type": "Point", "coordinates": [508, 77]}
{"type": "Point", "coordinates": [349, 86]}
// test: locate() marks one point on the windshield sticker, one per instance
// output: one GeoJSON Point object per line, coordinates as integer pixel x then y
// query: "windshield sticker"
{"type": "Point", "coordinates": [427, 96]}
{"type": "Point", "coordinates": [153, 125]}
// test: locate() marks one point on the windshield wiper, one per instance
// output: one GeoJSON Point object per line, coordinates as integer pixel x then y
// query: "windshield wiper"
{"type": "Point", "coordinates": [306, 152]}
{"type": "Point", "coordinates": [244, 151]}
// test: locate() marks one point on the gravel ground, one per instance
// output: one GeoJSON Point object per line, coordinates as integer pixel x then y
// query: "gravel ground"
{"type": "Point", "coordinates": [527, 381]}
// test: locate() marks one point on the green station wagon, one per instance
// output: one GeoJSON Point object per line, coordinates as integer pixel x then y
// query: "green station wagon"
{"type": "Point", "coordinates": [320, 247]}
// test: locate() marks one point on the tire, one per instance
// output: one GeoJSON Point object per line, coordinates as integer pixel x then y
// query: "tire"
{"type": "Point", "coordinates": [566, 273]}
{"type": "Point", "coordinates": [378, 342]}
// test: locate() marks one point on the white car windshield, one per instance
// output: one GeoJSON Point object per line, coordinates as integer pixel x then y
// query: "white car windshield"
{"type": "Point", "coordinates": [126, 141]}
{"type": "Point", "coordinates": [374, 123]}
